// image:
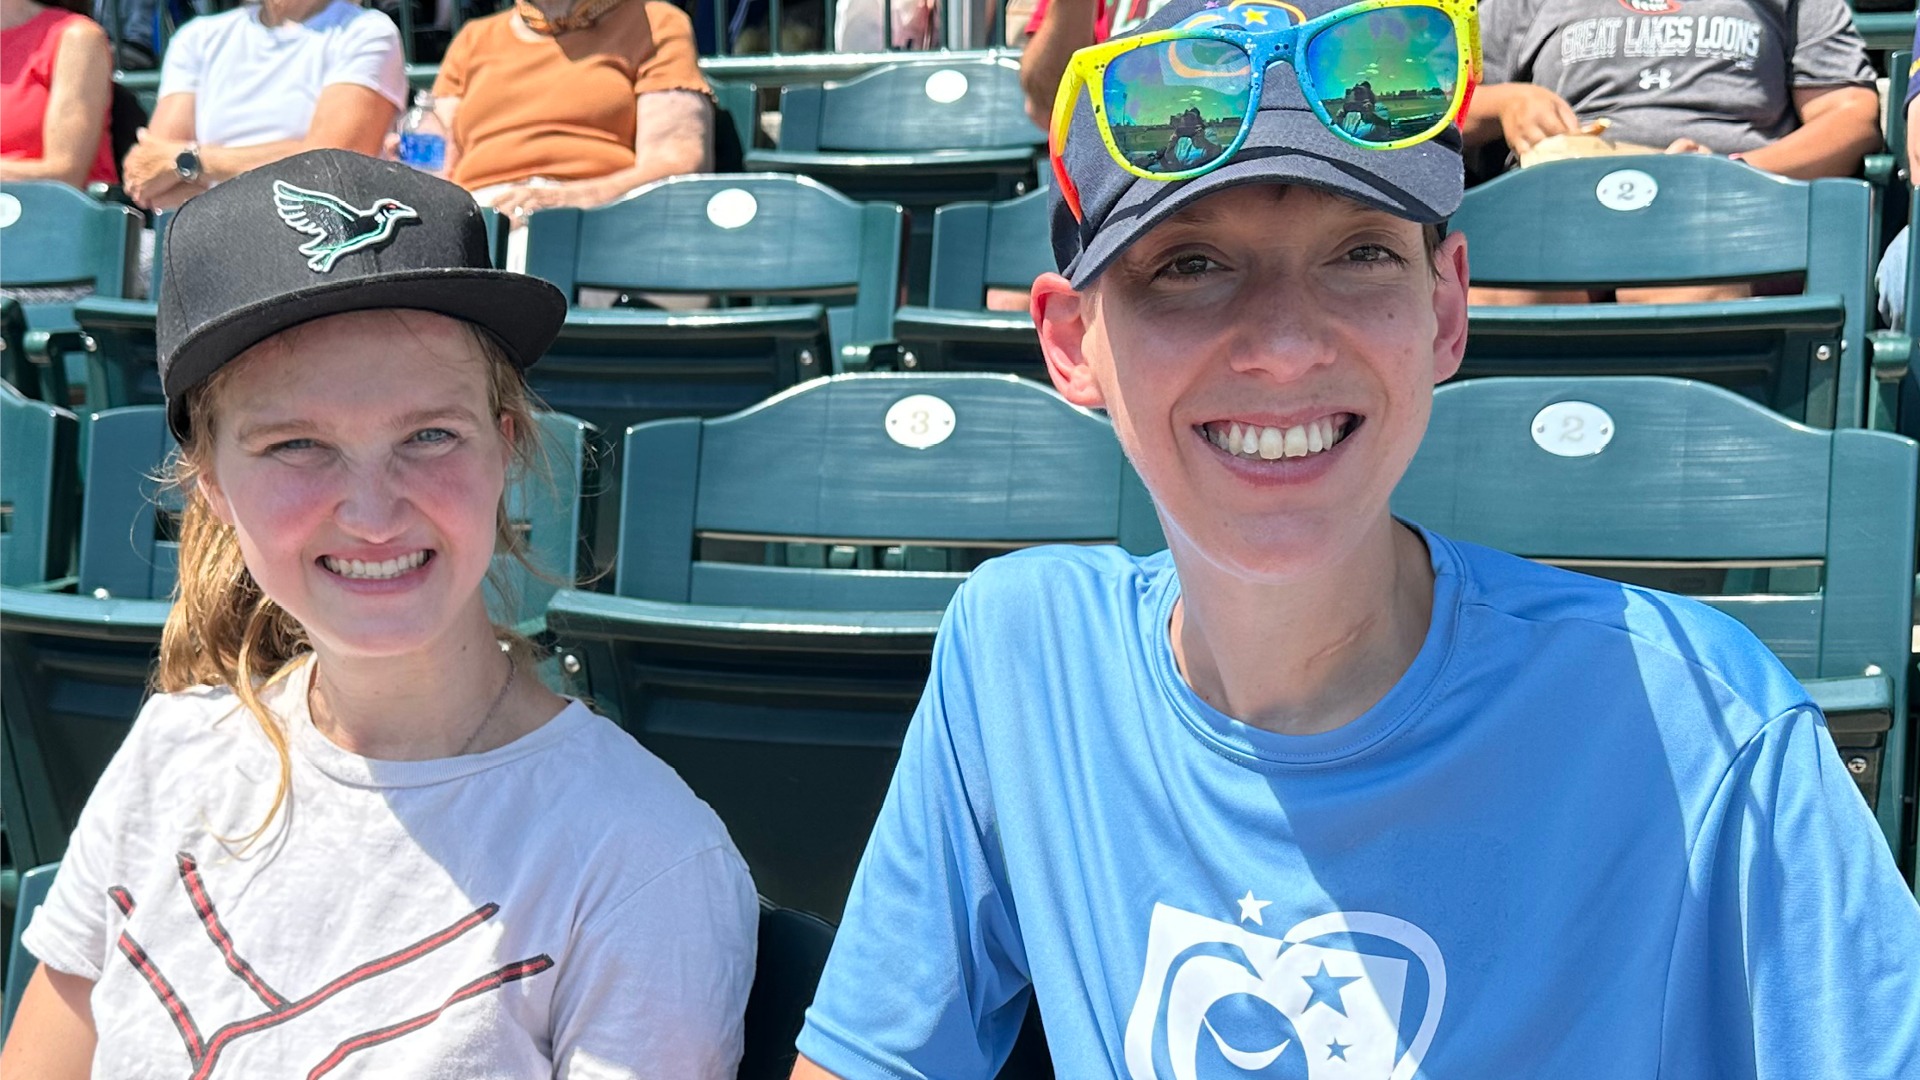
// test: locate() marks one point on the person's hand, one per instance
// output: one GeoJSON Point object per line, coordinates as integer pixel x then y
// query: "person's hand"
{"type": "Point", "coordinates": [148, 171]}
{"type": "Point", "coordinates": [1684, 145]}
{"type": "Point", "coordinates": [520, 201]}
{"type": "Point", "coordinates": [1532, 113]}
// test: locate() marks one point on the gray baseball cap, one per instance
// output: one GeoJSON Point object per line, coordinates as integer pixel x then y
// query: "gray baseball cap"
{"type": "Point", "coordinates": [1286, 145]}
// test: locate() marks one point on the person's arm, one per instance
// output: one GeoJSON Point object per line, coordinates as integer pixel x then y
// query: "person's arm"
{"type": "Point", "coordinates": [1065, 28]}
{"type": "Point", "coordinates": [77, 103]}
{"type": "Point", "coordinates": [807, 1070]}
{"type": "Point", "coordinates": [656, 985]}
{"type": "Point", "coordinates": [1795, 944]}
{"type": "Point", "coordinates": [52, 1037]}
{"type": "Point", "coordinates": [672, 136]}
{"type": "Point", "coordinates": [147, 174]}
{"type": "Point", "coordinates": [1839, 127]}
{"type": "Point", "coordinates": [1519, 112]}
{"type": "Point", "coordinates": [444, 108]}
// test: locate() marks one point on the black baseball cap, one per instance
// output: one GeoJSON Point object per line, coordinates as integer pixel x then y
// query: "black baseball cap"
{"type": "Point", "coordinates": [1286, 145]}
{"type": "Point", "coordinates": [326, 232]}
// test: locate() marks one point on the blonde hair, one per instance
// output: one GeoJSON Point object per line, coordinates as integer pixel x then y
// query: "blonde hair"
{"type": "Point", "coordinates": [224, 631]}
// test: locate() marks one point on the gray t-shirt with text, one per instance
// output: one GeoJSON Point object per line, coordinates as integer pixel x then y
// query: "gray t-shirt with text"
{"type": "Point", "coordinates": [1720, 72]}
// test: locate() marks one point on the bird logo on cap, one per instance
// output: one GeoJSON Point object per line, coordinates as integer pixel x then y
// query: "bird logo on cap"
{"type": "Point", "coordinates": [336, 227]}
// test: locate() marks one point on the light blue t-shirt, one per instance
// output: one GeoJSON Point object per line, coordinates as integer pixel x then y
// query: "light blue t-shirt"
{"type": "Point", "coordinates": [1593, 832]}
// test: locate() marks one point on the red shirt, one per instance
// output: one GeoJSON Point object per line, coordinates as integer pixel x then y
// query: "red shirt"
{"type": "Point", "coordinates": [26, 74]}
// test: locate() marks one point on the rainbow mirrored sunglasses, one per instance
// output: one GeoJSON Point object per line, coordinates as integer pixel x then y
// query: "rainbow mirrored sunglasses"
{"type": "Point", "coordinates": [1177, 103]}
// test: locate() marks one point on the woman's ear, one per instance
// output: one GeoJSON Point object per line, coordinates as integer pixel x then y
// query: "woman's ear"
{"type": "Point", "coordinates": [209, 489]}
{"type": "Point", "coordinates": [1064, 317]}
{"type": "Point", "coordinates": [506, 438]}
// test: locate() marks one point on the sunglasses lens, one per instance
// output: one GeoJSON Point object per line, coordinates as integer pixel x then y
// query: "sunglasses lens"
{"type": "Point", "coordinates": [1387, 74]}
{"type": "Point", "coordinates": [1175, 106]}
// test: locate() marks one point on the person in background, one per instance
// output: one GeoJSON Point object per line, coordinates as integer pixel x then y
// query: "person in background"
{"type": "Point", "coordinates": [56, 85]}
{"type": "Point", "coordinates": [1891, 278]}
{"type": "Point", "coordinates": [262, 82]}
{"type": "Point", "coordinates": [1784, 86]}
{"type": "Point", "coordinates": [1057, 29]}
{"type": "Point", "coordinates": [564, 103]}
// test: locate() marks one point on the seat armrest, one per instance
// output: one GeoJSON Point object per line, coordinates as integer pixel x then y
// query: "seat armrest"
{"type": "Point", "coordinates": [1891, 352]}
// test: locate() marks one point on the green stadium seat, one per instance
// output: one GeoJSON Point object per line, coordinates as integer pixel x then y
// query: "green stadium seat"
{"type": "Point", "coordinates": [35, 884]}
{"type": "Point", "coordinates": [1678, 219]}
{"type": "Point", "coordinates": [17, 369]}
{"type": "Point", "coordinates": [816, 274]}
{"type": "Point", "coordinates": [781, 574]}
{"type": "Point", "coordinates": [39, 490]}
{"type": "Point", "coordinates": [76, 662]}
{"type": "Point", "coordinates": [1804, 535]}
{"type": "Point", "coordinates": [792, 953]}
{"type": "Point", "coordinates": [922, 133]}
{"type": "Point", "coordinates": [58, 239]}
{"type": "Point", "coordinates": [977, 246]}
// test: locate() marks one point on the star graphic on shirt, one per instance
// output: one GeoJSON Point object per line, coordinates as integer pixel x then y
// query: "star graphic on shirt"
{"type": "Point", "coordinates": [1326, 989]}
{"type": "Point", "coordinates": [1250, 908]}
{"type": "Point", "coordinates": [1254, 17]}
{"type": "Point", "coordinates": [1338, 1049]}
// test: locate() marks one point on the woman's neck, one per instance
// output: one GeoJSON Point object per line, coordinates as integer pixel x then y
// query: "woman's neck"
{"type": "Point", "coordinates": [18, 13]}
{"type": "Point", "coordinates": [1308, 657]}
{"type": "Point", "coordinates": [450, 699]}
{"type": "Point", "coordinates": [276, 12]}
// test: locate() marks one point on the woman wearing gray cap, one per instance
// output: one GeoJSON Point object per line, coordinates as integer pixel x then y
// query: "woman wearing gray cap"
{"type": "Point", "coordinates": [353, 833]}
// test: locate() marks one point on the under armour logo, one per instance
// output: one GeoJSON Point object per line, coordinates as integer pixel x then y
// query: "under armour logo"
{"type": "Point", "coordinates": [1655, 80]}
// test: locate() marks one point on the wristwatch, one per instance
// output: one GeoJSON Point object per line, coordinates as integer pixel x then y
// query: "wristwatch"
{"type": "Point", "coordinates": [187, 163]}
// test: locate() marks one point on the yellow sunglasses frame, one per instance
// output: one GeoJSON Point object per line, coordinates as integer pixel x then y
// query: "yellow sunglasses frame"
{"type": "Point", "coordinates": [1087, 70]}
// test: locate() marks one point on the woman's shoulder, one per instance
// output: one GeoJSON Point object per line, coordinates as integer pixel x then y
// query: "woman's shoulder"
{"type": "Point", "coordinates": [666, 19]}
{"type": "Point", "coordinates": [621, 787]}
{"type": "Point", "coordinates": [76, 28]}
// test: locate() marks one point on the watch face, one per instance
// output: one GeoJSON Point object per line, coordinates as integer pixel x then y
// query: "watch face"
{"type": "Point", "coordinates": [187, 164]}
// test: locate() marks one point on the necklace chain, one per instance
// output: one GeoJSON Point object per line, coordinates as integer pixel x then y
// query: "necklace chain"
{"type": "Point", "coordinates": [513, 670]}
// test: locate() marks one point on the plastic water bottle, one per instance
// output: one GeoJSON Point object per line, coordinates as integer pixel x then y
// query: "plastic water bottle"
{"type": "Point", "coordinates": [423, 138]}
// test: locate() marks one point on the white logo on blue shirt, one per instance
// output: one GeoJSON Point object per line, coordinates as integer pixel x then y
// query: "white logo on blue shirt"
{"type": "Point", "coordinates": [1313, 997]}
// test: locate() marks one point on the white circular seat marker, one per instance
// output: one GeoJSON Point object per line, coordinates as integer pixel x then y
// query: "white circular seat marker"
{"type": "Point", "coordinates": [919, 421]}
{"type": "Point", "coordinates": [732, 208]}
{"type": "Point", "coordinates": [946, 86]}
{"type": "Point", "coordinates": [9, 209]}
{"type": "Point", "coordinates": [1573, 429]}
{"type": "Point", "coordinates": [1627, 189]}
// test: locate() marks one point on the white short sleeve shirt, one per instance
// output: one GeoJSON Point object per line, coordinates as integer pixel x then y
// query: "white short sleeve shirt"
{"type": "Point", "coordinates": [256, 84]}
{"type": "Point", "coordinates": [560, 906]}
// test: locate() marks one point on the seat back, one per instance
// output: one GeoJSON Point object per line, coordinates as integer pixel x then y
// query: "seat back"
{"type": "Point", "coordinates": [917, 105]}
{"type": "Point", "coordinates": [549, 510]}
{"type": "Point", "coordinates": [56, 236]}
{"type": "Point", "coordinates": [39, 493]}
{"type": "Point", "coordinates": [980, 245]}
{"type": "Point", "coordinates": [753, 235]}
{"type": "Point", "coordinates": [1680, 219]}
{"type": "Point", "coordinates": [1806, 536]}
{"type": "Point", "coordinates": [826, 488]}
{"type": "Point", "coordinates": [129, 524]}
{"type": "Point", "coordinates": [793, 953]}
{"type": "Point", "coordinates": [35, 884]}
{"type": "Point", "coordinates": [781, 572]}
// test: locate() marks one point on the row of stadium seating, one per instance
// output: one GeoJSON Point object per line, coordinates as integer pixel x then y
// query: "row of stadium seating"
{"type": "Point", "coordinates": [771, 614]}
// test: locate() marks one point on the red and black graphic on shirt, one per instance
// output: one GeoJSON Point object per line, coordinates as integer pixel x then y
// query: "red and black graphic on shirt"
{"type": "Point", "coordinates": [204, 1051]}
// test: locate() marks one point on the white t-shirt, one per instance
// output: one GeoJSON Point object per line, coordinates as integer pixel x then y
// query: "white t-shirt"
{"type": "Point", "coordinates": [560, 906]}
{"type": "Point", "coordinates": [255, 84]}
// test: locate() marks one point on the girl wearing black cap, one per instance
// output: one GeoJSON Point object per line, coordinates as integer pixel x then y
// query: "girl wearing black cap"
{"type": "Point", "coordinates": [353, 831]}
